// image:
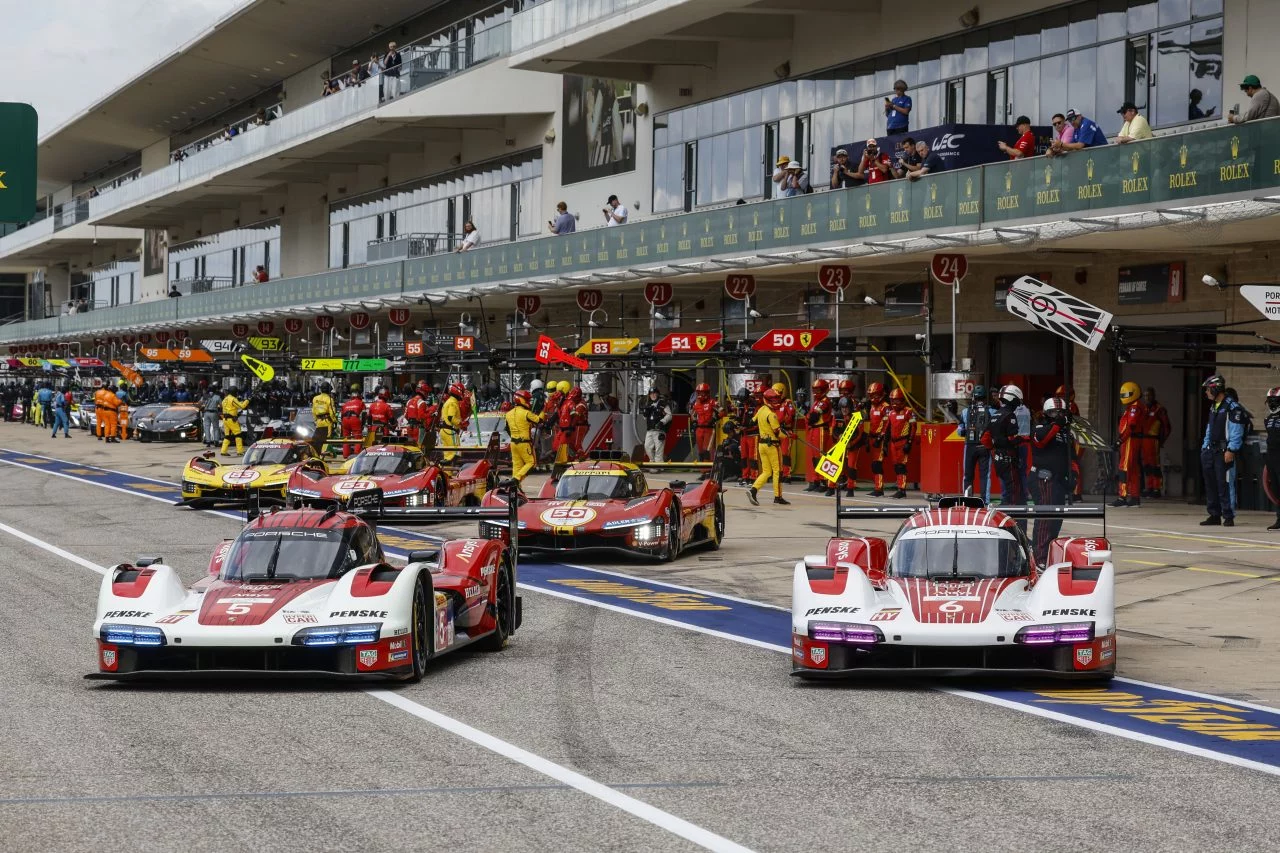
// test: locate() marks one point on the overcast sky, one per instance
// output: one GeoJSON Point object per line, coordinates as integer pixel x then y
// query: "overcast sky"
{"type": "Point", "coordinates": [62, 55]}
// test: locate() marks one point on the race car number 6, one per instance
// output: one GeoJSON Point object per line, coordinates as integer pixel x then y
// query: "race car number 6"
{"type": "Point", "coordinates": [951, 607]}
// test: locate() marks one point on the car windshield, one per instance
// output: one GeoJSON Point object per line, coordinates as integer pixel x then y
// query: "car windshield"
{"type": "Point", "coordinates": [382, 462]}
{"type": "Point", "coordinates": [574, 486]}
{"type": "Point", "coordinates": [938, 552]}
{"type": "Point", "coordinates": [304, 418]}
{"type": "Point", "coordinates": [290, 554]}
{"type": "Point", "coordinates": [272, 454]}
{"type": "Point", "coordinates": [175, 415]}
{"type": "Point", "coordinates": [148, 411]}
{"type": "Point", "coordinates": [484, 425]}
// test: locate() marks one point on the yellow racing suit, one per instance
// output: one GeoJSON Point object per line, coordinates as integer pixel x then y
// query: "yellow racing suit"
{"type": "Point", "coordinates": [766, 420]}
{"type": "Point", "coordinates": [520, 423]}
{"type": "Point", "coordinates": [231, 409]}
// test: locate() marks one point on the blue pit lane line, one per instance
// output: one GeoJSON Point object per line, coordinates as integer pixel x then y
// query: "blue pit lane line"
{"type": "Point", "coordinates": [1216, 727]}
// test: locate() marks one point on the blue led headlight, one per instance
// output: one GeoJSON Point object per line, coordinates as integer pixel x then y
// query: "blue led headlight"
{"type": "Point", "coordinates": [338, 635]}
{"type": "Point", "coordinates": [131, 635]}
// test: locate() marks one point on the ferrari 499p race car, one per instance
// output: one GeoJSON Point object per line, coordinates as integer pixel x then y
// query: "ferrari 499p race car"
{"type": "Point", "coordinates": [263, 472]}
{"type": "Point", "coordinates": [957, 592]}
{"type": "Point", "coordinates": [607, 504]}
{"type": "Point", "coordinates": [404, 476]}
{"type": "Point", "coordinates": [309, 592]}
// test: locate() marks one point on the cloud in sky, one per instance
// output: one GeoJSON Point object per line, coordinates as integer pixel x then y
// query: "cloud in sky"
{"type": "Point", "coordinates": [63, 55]}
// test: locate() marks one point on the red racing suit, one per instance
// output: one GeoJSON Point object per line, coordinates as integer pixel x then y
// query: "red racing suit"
{"type": "Point", "coordinates": [1157, 433]}
{"type": "Point", "coordinates": [413, 418]}
{"type": "Point", "coordinates": [706, 414]}
{"type": "Point", "coordinates": [352, 424]}
{"type": "Point", "coordinates": [901, 431]}
{"type": "Point", "coordinates": [380, 419]}
{"type": "Point", "coordinates": [787, 419]}
{"type": "Point", "coordinates": [818, 421]}
{"type": "Point", "coordinates": [877, 427]}
{"type": "Point", "coordinates": [1131, 434]}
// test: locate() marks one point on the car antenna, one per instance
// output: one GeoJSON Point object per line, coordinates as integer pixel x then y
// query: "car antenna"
{"type": "Point", "coordinates": [955, 556]}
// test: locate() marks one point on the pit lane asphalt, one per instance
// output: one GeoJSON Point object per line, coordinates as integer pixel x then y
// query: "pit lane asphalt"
{"type": "Point", "coordinates": [712, 731]}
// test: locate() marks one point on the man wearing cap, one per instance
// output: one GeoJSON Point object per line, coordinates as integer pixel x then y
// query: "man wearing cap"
{"type": "Point", "coordinates": [1262, 104]}
{"type": "Point", "coordinates": [1026, 144]}
{"type": "Point", "coordinates": [1063, 133]}
{"type": "Point", "coordinates": [780, 173]}
{"type": "Point", "coordinates": [842, 176]}
{"type": "Point", "coordinates": [1135, 128]}
{"type": "Point", "coordinates": [874, 166]}
{"type": "Point", "coordinates": [797, 182]}
{"type": "Point", "coordinates": [615, 212]}
{"type": "Point", "coordinates": [1087, 133]}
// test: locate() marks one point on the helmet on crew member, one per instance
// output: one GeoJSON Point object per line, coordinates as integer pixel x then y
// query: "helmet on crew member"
{"type": "Point", "coordinates": [846, 387]}
{"type": "Point", "coordinates": [820, 388]}
{"type": "Point", "coordinates": [653, 391]}
{"type": "Point", "coordinates": [1130, 392]}
{"type": "Point", "coordinates": [771, 397]}
{"type": "Point", "coordinates": [1011, 394]}
{"type": "Point", "coordinates": [1065, 393]}
{"type": "Point", "coordinates": [979, 393]}
{"type": "Point", "coordinates": [896, 398]}
{"type": "Point", "coordinates": [575, 393]}
{"type": "Point", "coordinates": [703, 390]}
{"type": "Point", "coordinates": [423, 388]}
{"type": "Point", "coordinates": [563, 387]}
{"type": "Point", "coordinates": [457, 390]}
{"type": "Point", "coordinates": [780, 389]}
{"type": "Point", "coordinates": [326, 388]}
{"type": "Point", "coordinates": [1215, 385]}
{"type": "Point", "coordinates": [536, 385]}
{"type": "Point", "coordinates": [1055, 407]}
{"type": "Point", "coordinates": [355, 387]}
{"type": "Point", "coordinates": [384, 394]}
{"type": "Point", "coordinates": [1273, 399]}
{"type": "Point", "coordinates": [875, 392]}
{"type": "Point", "coordinates": [523, 398]}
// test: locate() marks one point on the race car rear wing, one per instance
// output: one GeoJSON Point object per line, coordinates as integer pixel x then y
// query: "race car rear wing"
{"type": "Point", "coordinates": [865, 513]}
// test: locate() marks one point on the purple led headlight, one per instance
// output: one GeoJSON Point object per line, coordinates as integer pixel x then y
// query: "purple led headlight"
{"type": "Point", "coordinates": [1047, 635]}
{"type": "Point", "coordinates": [839, 632]}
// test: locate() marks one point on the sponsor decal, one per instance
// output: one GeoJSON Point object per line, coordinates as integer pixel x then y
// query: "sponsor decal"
{"type": "Point", "coordinates": [822, 611]}
{"type": "Point", "coordinates": [444, 629]}
{"type": "Point", "coordinates": [1108, 654]}
{"type": "Point", "coordinates": [109, 659]}
{"type": "Point", "coordinates": [174, 617]}
{"type": "Point", "coordinates": [1015, 616]}
{"type": "Point", "coordinates": [487, 571]}
{"type": "Point", "coordinates": [358, 614]}
{"type": "Point", "coordinates": [818, 655]}
{"type": "Point", "coordinates": [797, 648]}
{"type": "Point", "coordinates": [475, 592]}
{"type": "Point", "coordinates": [468, 550]}
{"type": "Point", "coordinates": [126, 614]}
{"type": "Point", "coordinates": [398, 656]}
{"type": "Point", "coordinates": [240, 476]}
{"type": "Point", "coordinates": [886, 615]}
{"type": "Point", "coordinates": [1084, 657]}
{"type": "Point", "coordinates": [1070, 611]}
{"type": "Point", "coordinates": [397, 645]}
{"type": "Point", "coordinates": [300, 619]}
{"type": "Point", "coordinates": [567, 516]}
{"type": "Point", "coordinates": [368, 657]}
{"type": "Point", "coordinates": [626, 522]}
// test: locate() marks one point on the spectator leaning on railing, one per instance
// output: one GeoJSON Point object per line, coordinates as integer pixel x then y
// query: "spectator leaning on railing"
{"type": "Point", "coordinates": [930, 163]}
{"type": "Point", "coordinates": [1063, 133]}
{"type": "Point", "coordinates": [1087, 133]}
{"type": "Point", "coordinates": [842, 176]}
{"type": "Point", "coordinates": [470, 237]}
{"type": "Point", "coordinates": [391, 72]}
{"type": "Point", "coordinates": [563, 223]}
{"type": "Point", "coordinates": [1135, 128]}
{"type": "Point", "coordinates": [1026, 144]}
{"type": "Point", "coordinates": [907, 158]}
{"type": "Point", "coordinates": [1262, 104]}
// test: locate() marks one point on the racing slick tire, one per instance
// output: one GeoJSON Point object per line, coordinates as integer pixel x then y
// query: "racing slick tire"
{"type": "Point", "coordinates": [504, 612]}
{"type": "Point", "coordinates": [491, 480]}
{"type": "Point", "coordinates": [674, 517]}
{"type": "Point", "coordinates": [421, 633]}
{"type": "Point", "coordinates": [717, 535]}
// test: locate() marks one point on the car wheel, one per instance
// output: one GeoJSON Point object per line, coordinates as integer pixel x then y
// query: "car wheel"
{"type": "Point", "coordinates": [717, 534]}
{"type": "Point", "coordinates": [504, 613]}
{"type": "Point", "coordinates": [673, 533]}
{"type": "Point", "coordinates": [420, 632]}
{"type": "Point", "coordinates": [491, 480]}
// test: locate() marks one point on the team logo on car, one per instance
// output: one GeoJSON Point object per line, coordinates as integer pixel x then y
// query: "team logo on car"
{"type": "Point", "coordinates": [109, 658]}
{"type": "Point", "coordinates": [568, 516]}
{"type": "Point", "coordinates": [368, 657]}
{"type": "Point", "coordinates": [346, 487]}
{"type": "Point", "coordinates": [1084, 657]}
{"type": "Point", "coordinates": [818, 655]}
{"type": "Point", "coordinates": [240, 476]}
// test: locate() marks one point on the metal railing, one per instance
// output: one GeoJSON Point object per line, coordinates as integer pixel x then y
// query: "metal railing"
{"type": "Point", "coordinates": [409, 246]}
{"type": "Point", "coordinates": [540, 22]}
{"type": "Point", "coordinates": [422, 64]}
{"type": "Point", "coordinates": [202, 284]}
{"type": "Point", "coordinates": [70, 212]}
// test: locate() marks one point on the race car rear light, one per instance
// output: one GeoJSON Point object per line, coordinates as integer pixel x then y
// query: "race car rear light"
{"type": "Point", "coordinates": [840, 632]}
{"type": "Point", "coordinates": [132, 635]}
{"type": "Point", "coordinates": [1044, 635]}
{"type": "Point", "coordinates": [338, 635]}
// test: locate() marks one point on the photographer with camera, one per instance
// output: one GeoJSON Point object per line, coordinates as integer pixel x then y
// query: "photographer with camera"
{"type": "Point", "coordinates": [615, 212]}
{"type": "Point", "coordinates": [874, 166]}
{"type": "Point", "coordinates": [842, 177]}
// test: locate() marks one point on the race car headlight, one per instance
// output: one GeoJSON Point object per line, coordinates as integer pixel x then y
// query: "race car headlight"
{"type": "Point", "coordinates": [648, 534]}
{"type": "Point", "coordinates": [843, 632]}
{"type": "Point", "coordinates": [303, 432]}
{"type": "Point", "coordinates": [189, 486]}
{"type": "Point", "coordinates": [131, 635]}
{"type": "Point", "coordinates": [418, 499]}
{"type": "Point", "coordinates": [1045, 635]}
{"type": "Point", "coordinates": [338, 635]}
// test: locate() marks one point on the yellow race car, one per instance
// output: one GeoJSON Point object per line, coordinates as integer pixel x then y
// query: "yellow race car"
{"type": "Point", "coordinates": [263, 474]}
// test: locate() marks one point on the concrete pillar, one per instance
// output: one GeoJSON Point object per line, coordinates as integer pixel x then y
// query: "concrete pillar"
{"type": "Point", "coordinates": [304, 231]}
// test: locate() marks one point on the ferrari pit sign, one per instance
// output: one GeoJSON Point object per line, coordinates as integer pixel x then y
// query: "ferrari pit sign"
{"type": "Point", "coordinates": [790, 340]}
{"type": "Point", "coordinates": [686, 342]}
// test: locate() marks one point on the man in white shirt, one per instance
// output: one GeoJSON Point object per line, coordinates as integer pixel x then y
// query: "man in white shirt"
{"type": "Point", "coordinates": [470, 237]}
{"type": "Point", "coordinates": [616, 213]}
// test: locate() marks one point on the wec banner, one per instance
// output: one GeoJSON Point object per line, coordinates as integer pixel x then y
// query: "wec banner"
{"type": "Point", "coordinates": [832, 462]}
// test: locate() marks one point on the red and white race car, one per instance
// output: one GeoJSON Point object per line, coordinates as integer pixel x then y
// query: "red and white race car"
{"type": "Point", "coordinates": [309, 592]}
{"type": "Point", "coordinates": [957, 592]}
{"type": "Point", "coordinates": [406, 478]}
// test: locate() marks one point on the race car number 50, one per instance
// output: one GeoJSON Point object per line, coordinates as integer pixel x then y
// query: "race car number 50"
{"type": "Point", "coordinates": [568, 516]}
